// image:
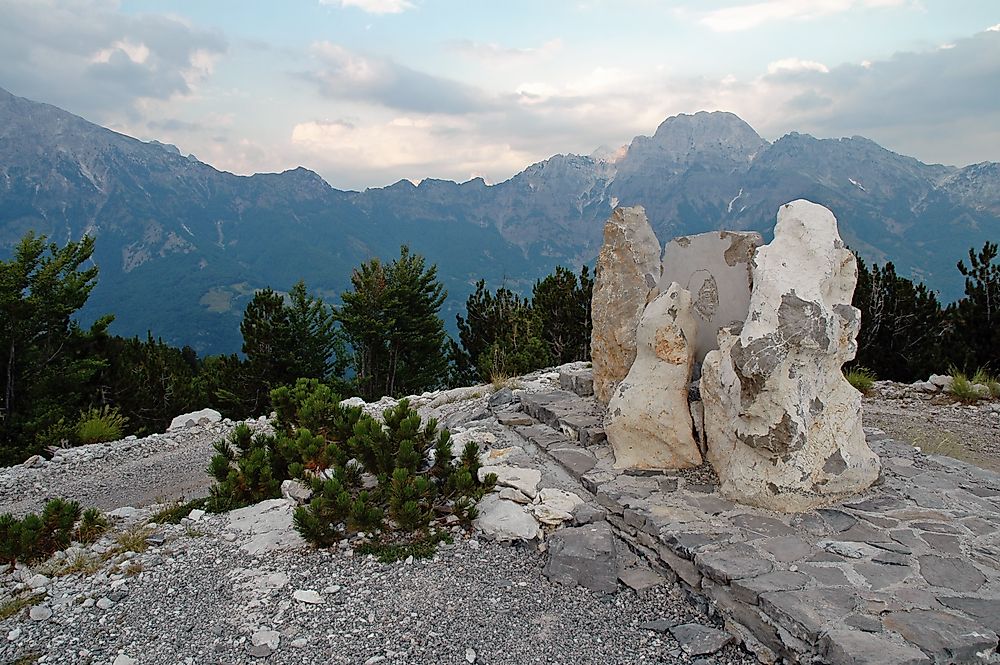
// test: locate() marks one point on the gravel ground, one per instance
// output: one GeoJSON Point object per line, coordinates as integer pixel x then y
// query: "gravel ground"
{"type": "Point", "coordinates": [936, 423]}
{"type": "Point", "coordinates": [201, 599]}
{"type": "Point", "coordinates": [132, 472]}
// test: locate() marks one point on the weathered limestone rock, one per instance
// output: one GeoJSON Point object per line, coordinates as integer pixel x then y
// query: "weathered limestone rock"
{"type": "Point", "coordinates": [585, 556]}
{"type": "Point", "coordinates": [782, 422]}
{"type": "Point", "coordinates": [715, 268]}
{"type": "Point", "coordinates": [628, 268]}
{"type": "Point", "coordinates": [203, 417]}
{"type": "Point", "coordinates": [648, 423]}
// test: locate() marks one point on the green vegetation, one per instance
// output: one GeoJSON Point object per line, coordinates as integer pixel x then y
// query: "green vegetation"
{"type": "Point", "coordinates": [862, 378]}
{"type": "Point", "coordinates": [133, 539]}
{"type": "Point", "coordinates": [175, 513]}
{"type": "Point", "coordinates": [504, 335]}
{"type": "Point", "coordinates": [422, 548]}
{"type": "Point", "coordinates": [93, 525]}
{"type": "Point", "coordinates": [36, 537]}
{"type": "Point", "coordinates": [15, 605]}
{"type": "Point", "coordinates": [393, 478]}
{"type": "Point", "coordinates": [100, 425]}
{"type": "Point", "coordinates": [984, 378]}
{"type": "Point", "coordinates": [906, 335]}
{"type": "Point", "coordinates": [390, 319]}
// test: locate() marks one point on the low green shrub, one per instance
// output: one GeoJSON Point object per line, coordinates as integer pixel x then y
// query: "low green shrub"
{"type": "Point", "coordinates": [100, 425]}
{"type": "Point", "coordinates": [395, 477]}
{"type": "Point", "coordinates": [862, 378]}
{"type": "Point", "coordinates": [991, 382]}
{"type": "Point", "coordinates": [175, 513]}
{"type": "Point", "coordinates": [35, 537]}
{"type": "Point", "coordinates": [963, 389]}
{"type": "Point", "coordinates": [15, 605]}
{"type": "Point", "coordinates": [93, 525]}
{"type": "Point", "coordinates": [420, 548]}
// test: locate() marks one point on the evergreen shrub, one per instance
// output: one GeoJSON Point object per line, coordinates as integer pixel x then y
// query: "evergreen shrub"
{"type": "Point", "coordinates": [394, 478]}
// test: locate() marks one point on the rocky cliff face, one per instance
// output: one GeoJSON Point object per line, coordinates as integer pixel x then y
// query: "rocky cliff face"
{"type": "Point", "coordinates": [182, 246]}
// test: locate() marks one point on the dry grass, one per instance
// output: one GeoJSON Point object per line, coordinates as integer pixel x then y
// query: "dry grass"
{"type": "Point", "coordinates": [935, 441]}
{"type": "Point", "coordinates": [15, 605]}
{"type": "Point", "coordinates": [84, 564]}
{"type": "Point", "coordinates": [133, 540]}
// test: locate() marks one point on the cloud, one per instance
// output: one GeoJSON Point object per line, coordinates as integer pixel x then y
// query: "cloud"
{"type": "Point", "coordinates": [347, 75]}
{"type": "Point", "coordinates": [495, 53]}
{"type": "Point", "coordinates": [406, 147]}
{"type": "Point", "coordinates": [748, 16]}
{"type": "Point", "coordinates": [993, 28]}
{"type": "Point", "coordinates": [796, 65]}
{"type": "Point", "coordinates": [373, 6]}
{"type": "Point", "coordinates": [92, 59]}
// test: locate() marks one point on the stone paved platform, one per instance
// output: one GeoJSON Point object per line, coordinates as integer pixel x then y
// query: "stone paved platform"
{"type": "Point", "coordinates": [909, 572]}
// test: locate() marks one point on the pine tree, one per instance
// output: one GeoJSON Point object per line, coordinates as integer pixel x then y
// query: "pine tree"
{"type": "Point", "coordinates": [45, 358]}
{"type": "Point", "coordinates": [902, 325]}
{"type": "Point", "coordinates": [391, 322]}
{"type": "Point", "coordinates": [268, 346]}
{"type": "Point", "coordinates": [318, 346]}
{"type": "Point", "coordinates": [975, 341]}
{"type": "Point", "coordinates": [563, 309]}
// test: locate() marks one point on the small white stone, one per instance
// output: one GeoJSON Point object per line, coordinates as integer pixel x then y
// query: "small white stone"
{"type": "Point", "coordinates": [308, 596]}
{"type": "Point", "coordinates": [196, 514]}
{"type": "Point", "coordinates": [473, 544]}
{"type": "Point", "coordinates": [470, 655]}
{"type": "Point", "coordinates": [122, 659]}
{"type": "Point", "coordinates": [270, 638]}
{"type": "Point", "coordinates": [40, 613]}
{"type": "Point", "coordinates": [332, 589]}
{"type": "Point", "coordinates": [38, 581]}
{"type": "Point", "coordinates": [105, 603]}
{"type": "Point", "coordinates": [13, 635]}
{"type": "Point", "coordinates": [409, 560]}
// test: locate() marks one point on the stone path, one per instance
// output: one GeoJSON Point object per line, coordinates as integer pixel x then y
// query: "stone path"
{"type": "Point", "coordinates": [907, 573]}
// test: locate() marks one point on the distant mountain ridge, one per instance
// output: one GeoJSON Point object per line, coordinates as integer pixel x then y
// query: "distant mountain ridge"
{"type": "Point", "coordinates": [182, 246]}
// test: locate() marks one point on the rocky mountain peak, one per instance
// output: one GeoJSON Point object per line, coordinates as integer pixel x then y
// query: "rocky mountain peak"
{"type": "Point", "coordinates": [704, 135]}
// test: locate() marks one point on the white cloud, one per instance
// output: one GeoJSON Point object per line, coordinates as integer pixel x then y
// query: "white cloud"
{"type": "Point", "coordinates": [796, 65]}
{"type": "Point", "coordinates": [373, 6]}
{"type": "Point", "coordinates": [409, 147]}
{"type": "Point", "coordinates": [993, 28]}
{"type": "Point", "coordinates": [495, 53]}
{"type": "Point", "coordinates": [747, 16]}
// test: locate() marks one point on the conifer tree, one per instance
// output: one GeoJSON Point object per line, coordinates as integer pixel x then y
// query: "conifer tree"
{"type": "Point", "coordinates": [563, 308]}
{"type": "Point", "coordinates": [390, 319]}
{"type": "Point", "coordinates": [976, 317]}
{"type": "Point", "coordinates": [46, 362]}
{"type": "Point", "coordinates": [902, 325]}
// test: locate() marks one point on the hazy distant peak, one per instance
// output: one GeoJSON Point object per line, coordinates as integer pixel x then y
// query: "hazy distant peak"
{"type": "Point", "coordinates": [608, 154]}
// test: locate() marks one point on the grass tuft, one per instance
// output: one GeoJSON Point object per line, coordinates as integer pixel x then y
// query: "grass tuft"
{"type": "Point", "coordinates": [15, 605]}
{"type": "Point", "coordinates": [418, 549]}
{"type": "Point", "coordinates": [862, 378]}
{"type": "Point", "coordinates": [175, 513]}
{"type": "Point", "coordinates": [989, 380]}
{"type": "Point", "coordinates": [84, 564]}
{"type": "Point", "coordinates": [133, 540]}
{"type": "Point", "coordinates": [963, 389]}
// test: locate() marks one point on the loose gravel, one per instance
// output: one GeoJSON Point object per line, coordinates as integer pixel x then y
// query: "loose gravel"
{"type": "Point", "coordinates": [132, 472]}
{"type": "Point", "coordinates": [200, 599]}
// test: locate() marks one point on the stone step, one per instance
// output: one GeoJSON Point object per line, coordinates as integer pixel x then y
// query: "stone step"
{"type": "Point", "coordinates": [809, 586]}
{"type": "Point", "coordinates": [579, 380]}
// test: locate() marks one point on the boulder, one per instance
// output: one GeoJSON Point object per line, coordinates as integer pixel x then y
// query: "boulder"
{"type": "Point", "coordinates": [783, 425]}
{"type": "Point", "coordinates": [203, 417]}
{"type": "Point", "coordinates": [504, 520]}
{"type": "Point", "coordinates": [648, 423]}
{"type": "Point", "coordinates": [627, 270]}
{"type": "Point", "coordinates": [584, 556]}
{"type": "Point", "coordinates": [295, 490]}
{"type": "Point", "coordinates": [267, 527]}
{"type": "Point", "coordinates": [715, 268]}
{"type": "Point", "coordinates": [942, 381]}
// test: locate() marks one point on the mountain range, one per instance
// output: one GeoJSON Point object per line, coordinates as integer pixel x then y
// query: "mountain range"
{"type": "Point", "coordinates": [182, 246]}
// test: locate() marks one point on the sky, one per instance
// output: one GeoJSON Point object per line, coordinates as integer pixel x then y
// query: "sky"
{"type": "Point", "coordinates": [367, 92]}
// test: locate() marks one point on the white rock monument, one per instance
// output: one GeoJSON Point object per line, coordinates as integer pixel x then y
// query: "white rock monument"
{"type": "Point", "coordinates": [648, 423]}
{"type": "Point", "coordinates": [627, 270]}
{"type": "Point", "coordinates": [783, 424]}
